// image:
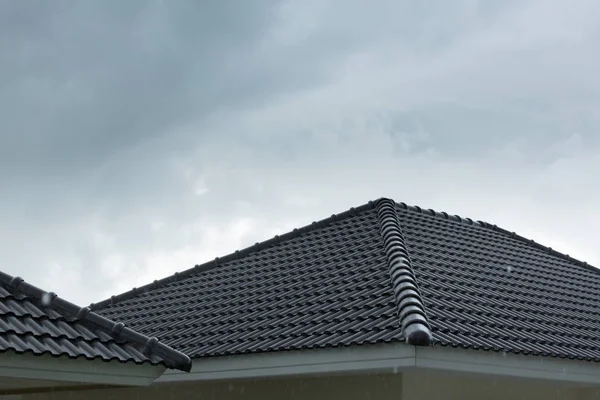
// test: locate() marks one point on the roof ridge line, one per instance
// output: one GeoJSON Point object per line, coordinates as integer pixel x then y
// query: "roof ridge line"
{"type": "Point", "coordinates": [540, 246]}
{"type": "Point", "coordinates": [409, 303]}
{"type": "Point", "coordinates": [496, 228]}
{"type": "Point", "coordinates": [173, 358]}
{"type": "Point", "coordinates": [442, 214]}
{"type": "Point", "coordinates": [238, 254]}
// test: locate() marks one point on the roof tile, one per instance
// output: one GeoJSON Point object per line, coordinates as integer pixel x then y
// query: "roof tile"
{"type": "Point", "coordinates": [320, 287]}
{"type": "Point", "coordinates": [362, 275]}
{"type": "Point", "coordinates": [28, 326]}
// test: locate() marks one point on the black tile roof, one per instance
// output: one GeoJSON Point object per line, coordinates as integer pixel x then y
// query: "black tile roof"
{"type": "Point", "coordinates": [379, 273]}
{"type": "Point", "coordinates": [38, 322]}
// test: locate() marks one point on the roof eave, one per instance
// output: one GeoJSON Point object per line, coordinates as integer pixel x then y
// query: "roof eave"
{"type": "Point", "coordinates": [386, 357]}
{"type": "Point", "coordinates": [77, 370]}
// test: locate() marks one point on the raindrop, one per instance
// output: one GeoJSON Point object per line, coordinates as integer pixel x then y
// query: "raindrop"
{"type": "Point", "coordinates": [395, 370]}
{"type": "Point", "coordinates": [46, 299]}
{"type": "Point", "coordinates": [230, 387]}
{"type": "Point", "coordinates": [504, 353]}
{"type": "Point", "coordinates": [509, 269]}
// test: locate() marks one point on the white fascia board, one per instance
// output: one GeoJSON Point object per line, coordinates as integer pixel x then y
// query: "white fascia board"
{"type": "Point", "coordinates": [298, 362]}
{"type": "Point", "coordinates": [81, 370]}
{"type": "Point", "coordinates": [507, 364]}
{"type": "Point", "coordinates": [385, 358]}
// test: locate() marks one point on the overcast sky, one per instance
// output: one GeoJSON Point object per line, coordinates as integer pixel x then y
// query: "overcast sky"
{"type": "Point", "coordinates": [142, 137]}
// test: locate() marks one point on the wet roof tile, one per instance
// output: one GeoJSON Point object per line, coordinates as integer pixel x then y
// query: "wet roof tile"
{"type": "Point", "coordinates": [60, 328]}
{"type": "Point", "coordinates": [370, 275]}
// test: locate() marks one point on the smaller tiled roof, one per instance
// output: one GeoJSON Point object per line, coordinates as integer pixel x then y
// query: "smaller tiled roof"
{"type": "Point", "coordinates": [38, 322]}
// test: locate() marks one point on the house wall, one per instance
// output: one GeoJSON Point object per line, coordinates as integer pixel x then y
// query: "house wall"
{"type": "Point", "coordinates": [435, 385]}
{"type": "Point", "coordinates": [409, 385]}
{"type": "Point", "coordinates": [335, 387]}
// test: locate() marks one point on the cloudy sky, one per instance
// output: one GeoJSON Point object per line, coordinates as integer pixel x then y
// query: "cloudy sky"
{"type": "Point", "coordinates": [142, 137]}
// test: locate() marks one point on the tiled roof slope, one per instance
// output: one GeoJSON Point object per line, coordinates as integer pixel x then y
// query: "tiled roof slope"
{"type": "Point", "coordinates": [381, 272]}
{"type": "Point", "coordinates": [39, 322]}
{"type": "Point", "coordinates": [322, 285]}
{"type": "Point", "coordinates": [486, 288]}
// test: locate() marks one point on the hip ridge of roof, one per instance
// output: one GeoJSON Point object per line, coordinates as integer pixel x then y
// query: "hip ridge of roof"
{"type": "Point", "coordinates": [409, 303]}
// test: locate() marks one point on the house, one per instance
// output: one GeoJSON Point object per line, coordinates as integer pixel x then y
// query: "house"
{"type": "Point", "coordinates": [383, 301]}
{"type": "Point", "coordinates": [49, 345]}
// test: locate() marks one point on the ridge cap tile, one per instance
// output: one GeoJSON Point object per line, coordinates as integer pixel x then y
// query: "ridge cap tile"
{"type": "Point", "coordinates": [409, 303]}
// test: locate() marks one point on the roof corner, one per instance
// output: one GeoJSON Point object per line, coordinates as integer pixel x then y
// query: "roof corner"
{"type": "Point", "coordinates": [171, 357]}
{"type": "Point", "coordinates": [409, 303]}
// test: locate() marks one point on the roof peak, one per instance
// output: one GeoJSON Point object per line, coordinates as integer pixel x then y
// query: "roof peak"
{"type": "Point", "coordinates": [296, 232]}
{"type": "Point", "coordinates": [172, 357]}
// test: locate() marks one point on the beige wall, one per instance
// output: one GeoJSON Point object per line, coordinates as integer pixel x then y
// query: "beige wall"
{"type": "Point", "coordinates": [410, 385]}
{"type": "Point", "coordinates": [434, 385]}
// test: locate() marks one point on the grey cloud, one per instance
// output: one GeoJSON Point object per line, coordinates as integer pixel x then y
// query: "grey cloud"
{"type": "Point", "coordinates": [91, 92]}
{"type": "Point", "coordinates": [83, 80]}
{"type": "Point", "coordinates": [143, 137]}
